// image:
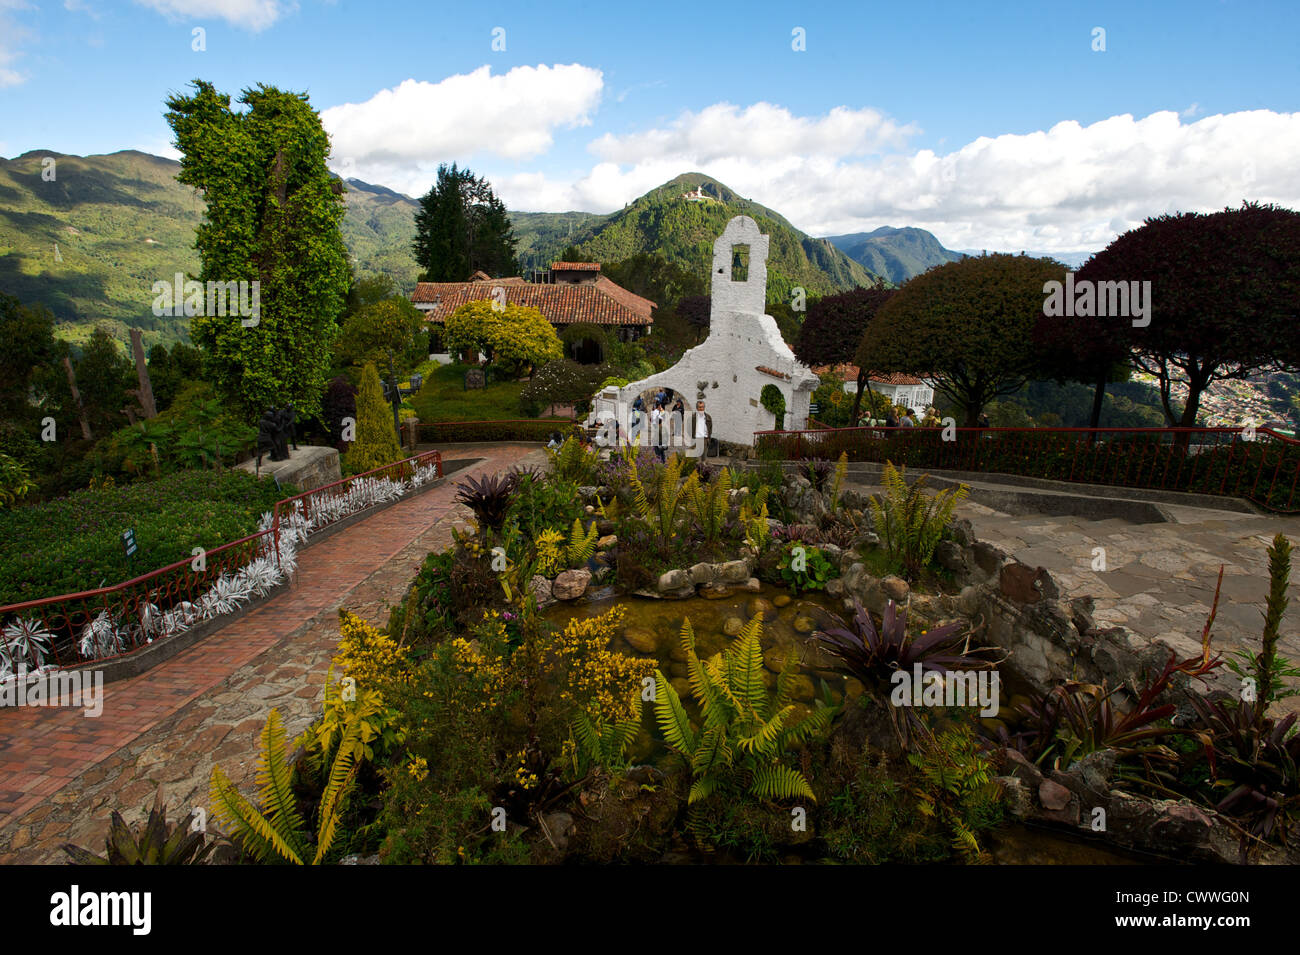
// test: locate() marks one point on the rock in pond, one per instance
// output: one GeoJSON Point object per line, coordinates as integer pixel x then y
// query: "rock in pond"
{"type": "Point", "coordinates": [804, 624]}
{"type": "Point", "coordinates": [780, 600]}
{"type": "Point", "coordinates": [571, 584]}
{"type": "Point", "coordinates": [641, 640]}
{"type": "Point", "coordinates": [732, 626]}
{"type": "Point", "coordinates": [760, 605]}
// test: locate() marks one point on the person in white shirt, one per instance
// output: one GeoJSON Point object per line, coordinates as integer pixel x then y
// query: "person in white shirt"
{"type": "Point", "coordinates": [657, 430]}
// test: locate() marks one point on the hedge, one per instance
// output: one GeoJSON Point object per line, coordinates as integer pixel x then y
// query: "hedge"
{"type": "Point", "coordinates": [452, 432]}
{"type": "Point", "coordinates": [74, 543]}
{"type": "Point", "coordinates": [1261, 471]}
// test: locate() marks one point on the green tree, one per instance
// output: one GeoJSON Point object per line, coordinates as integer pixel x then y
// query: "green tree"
{"type": "Point", "coordinates": [104, 374]}
{"type": "Point", "coordinates": [389, 333]}
{"type": "Point", "coordinates": [376, 443]}
{"type": "Point", "coordinates": [834, 326]}
{"type": "Point", "coordinates": [461, 228]}
{"type": "Point", "coordinates": [516, 337]}
{"type": "Point", "coordinates": [970, 323]}
{"type": "Point", "coordinates": [273, 216]}
{"type": "Point", "coordinates": [1222, 303]}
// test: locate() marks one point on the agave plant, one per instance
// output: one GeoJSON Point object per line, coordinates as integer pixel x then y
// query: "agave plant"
{"type": "Point", "coordinates": [260, 576]}
{"type": "Point", "coordinates": [225, 596]}
{"type": "Point", "coordinates": [155, 844]}
{"type": "Point", "coordinates": [488, 497]}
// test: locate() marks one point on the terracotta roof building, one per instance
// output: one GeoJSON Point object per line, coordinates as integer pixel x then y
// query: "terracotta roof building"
{"type": "Point", "coordinates": [576, 293]}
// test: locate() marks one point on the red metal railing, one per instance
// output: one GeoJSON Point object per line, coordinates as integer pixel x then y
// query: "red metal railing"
{"type": "Point", "coordinates": [1217, 461]}
{"type": "Point", "coordinates": [137, 609]}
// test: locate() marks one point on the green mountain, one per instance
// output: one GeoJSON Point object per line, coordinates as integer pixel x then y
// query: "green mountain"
{"type": "Point", "coordinates": [664, 223]}
{"type": "Point", "coordinates": [90, 242]}
{"type": "Point", "coordinates": [897, 254]}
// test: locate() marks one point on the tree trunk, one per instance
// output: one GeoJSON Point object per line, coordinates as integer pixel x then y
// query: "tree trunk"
{"type": "Point", "coordinates": [147, 404]}
{"type": "Point", "coordinates": [857, 397]}
{"type": "Point", "coordinates": [76, 396]}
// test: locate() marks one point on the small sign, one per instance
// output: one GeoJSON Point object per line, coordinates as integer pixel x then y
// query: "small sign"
{"type": "Point", "coordinates": [813, 408]}
{"type": "Point", "coordinates": [128, 542]}
{"type": "Point", "coordinates": [474, 378]}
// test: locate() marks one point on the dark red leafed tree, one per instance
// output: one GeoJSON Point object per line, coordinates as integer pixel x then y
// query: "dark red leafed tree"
{"type": "Point", "coordinates": [833, 328]}
{"type": "Point", "coordinates": [1225, 296]}
{"type": "Point", "coordinates": [1087, 349]}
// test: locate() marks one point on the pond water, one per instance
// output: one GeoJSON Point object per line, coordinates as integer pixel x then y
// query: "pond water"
{"type": "Point", "coordinates": [652, 629]}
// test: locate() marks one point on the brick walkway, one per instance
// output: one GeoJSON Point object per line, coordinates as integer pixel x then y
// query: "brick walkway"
{"type": "Point", "coordinates": [62, 773]}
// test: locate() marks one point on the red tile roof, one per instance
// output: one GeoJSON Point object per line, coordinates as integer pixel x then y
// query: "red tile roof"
{"type": "Point", "coordinates": [633, 301]}
{"type": "Point", "coordinates": [561, 304]}
{"type": "Point", "coordinates": [773, 372]}
{"type": "Point", "coordinates": [850, 373]}
{"type": "Point", "coordinates": [575, 266]}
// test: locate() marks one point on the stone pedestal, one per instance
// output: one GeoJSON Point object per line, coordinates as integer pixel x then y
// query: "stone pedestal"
{"type": "Point", "coordinates": [307, 468]}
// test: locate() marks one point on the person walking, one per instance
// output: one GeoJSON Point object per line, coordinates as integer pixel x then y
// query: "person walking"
{"type": "Point", "coordinates": [890, 420]}
{"type": "Point", "coordinates": [908, 421]}
{"type": "Point", "coordinates": [657, 431]}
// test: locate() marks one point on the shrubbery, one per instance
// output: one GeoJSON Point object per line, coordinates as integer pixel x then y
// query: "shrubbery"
{"type": "Point", "coordinates": [74, 543]}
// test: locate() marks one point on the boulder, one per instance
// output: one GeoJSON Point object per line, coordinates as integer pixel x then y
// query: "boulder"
{"type": "Point", "coordinates": [673, 580]}
{"type": "Point", "coordinates": [560, 827]}
{"type": "Point", "coordinates": [1053, 795]}
{"type": "Point", "coordinates": [641, 640]}
{"type": "Point", "coordinates": [895, 588]}
{"type": "Point", "coordinates": [950, 556]}
{"type": "Point", "coordinates": [732, 626]}
{"type": "Point", "coordinates": [607, 542]}
{"type": "Point", "coordinates": [541, 590]}
{"type": "Point", "coordinates": [753, 586]}
{"type": "Point", "coordinates": [780, 600]}
{"type": "Point", "coordinates": [733, 572]}
{"type": "Point", "coordinates": [835, 587]}
{"type": "Point", "coordinates": [759, 605]}
{"type": "Point", "coordinates": [715, 592]}
{"type": "Point", "coordinates": [1026, 585]}
{"type": "Point", "coordinates": [571, 584]}
{"type": "Point", "coordinates": [702, 573]}
{"type": "Point", "coordinates": [988, 557]}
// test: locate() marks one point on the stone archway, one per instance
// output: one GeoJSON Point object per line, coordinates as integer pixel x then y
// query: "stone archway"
{"type": "Point", "coordinates": [743, 352]}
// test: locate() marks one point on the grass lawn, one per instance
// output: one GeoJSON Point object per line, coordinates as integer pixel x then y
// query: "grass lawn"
{"type": "Point", "coordinates": [444, 398]}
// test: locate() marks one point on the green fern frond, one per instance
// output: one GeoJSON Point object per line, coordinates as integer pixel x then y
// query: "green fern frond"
{"type": "Point", "coordinates": [672, 719]}
{"type": "Point", "coordinates": [582, 544]}
{"type": "Point", "coordinates": [766, 741]}
{"type": "Point", "coordinates": [343, 775]}
{"type": "Point", "coordinates": [780, 782]}
{"type": "Point", "coordinates": [275, 781]}
{"type": "Point", "coordinates": [242, 821]}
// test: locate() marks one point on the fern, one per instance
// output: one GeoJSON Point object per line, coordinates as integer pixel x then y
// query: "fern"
{"type": "Point", "coordinates": [275, 828]}
{"type": "Point", "coordinates": [710, 504]}
{"type": "Point", "coordinates": [841, 469]}
{"type": "Point", "coordinates": [908, 523]}
{"type": "Point", "coordinates": [582, 544]}
{"type": "Point", "coordinates": [745, 734]}
{"type": "Point", "coordinates": [604, 744]}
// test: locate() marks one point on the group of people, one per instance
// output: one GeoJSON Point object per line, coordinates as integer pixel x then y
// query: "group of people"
{"type": "Point", "coordinates": [903, 417]}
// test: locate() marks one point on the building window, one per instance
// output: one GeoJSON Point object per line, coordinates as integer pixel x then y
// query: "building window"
{"type": "Point", "coordinates": [740, 263]}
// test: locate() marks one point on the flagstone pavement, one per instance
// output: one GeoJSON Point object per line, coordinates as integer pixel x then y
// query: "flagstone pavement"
{"type": "Point", "coordinates": [61, 773]}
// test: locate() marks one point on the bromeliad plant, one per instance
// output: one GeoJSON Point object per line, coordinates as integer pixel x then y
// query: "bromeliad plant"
{"type": "Point", "coordinates": [748, 733]}
{"type": "Point", "coordinates": [488, 497]}
{"type": "Point", "coordinates": [873, 655]}
{"type": "Point", "coordinates": [156, 844]}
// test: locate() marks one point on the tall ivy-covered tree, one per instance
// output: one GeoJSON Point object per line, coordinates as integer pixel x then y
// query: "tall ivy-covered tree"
{"type": "Point", "coordinates": [462, 228]}
{"type": "Point", "coordinates": [833, 328]}
{"type": "Point", "coordinates": [273, 216]}
{"type": "Point", "coordinates": [1225, 297]}
{"type": "Point", "coordinates": [969, 324]}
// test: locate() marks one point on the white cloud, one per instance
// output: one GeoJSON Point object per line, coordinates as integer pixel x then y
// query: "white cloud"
{"type": "Point", "coordinates": [764, 131]}
{"type": "Point", "coordinates": [255, 15]}
{"type": "Point", "coordinates": [1068, 188]}
{"type": "Point", "coordinates": [11, 34]}
{"type": "Point", "coordinates": [399, 135]}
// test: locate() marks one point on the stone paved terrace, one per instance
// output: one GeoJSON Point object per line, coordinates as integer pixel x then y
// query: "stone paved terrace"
{"type": "Point", "coordinates": [1160, 577]}
{"type": "Point", "coordinates": [61, 774]}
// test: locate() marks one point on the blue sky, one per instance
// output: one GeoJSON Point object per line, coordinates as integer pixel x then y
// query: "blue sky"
{"type": "Point", "coordinates": [992, 125]}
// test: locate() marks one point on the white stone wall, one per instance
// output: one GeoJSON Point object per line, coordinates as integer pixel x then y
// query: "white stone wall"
{"type": "Point", "coordinates": [722, 371]}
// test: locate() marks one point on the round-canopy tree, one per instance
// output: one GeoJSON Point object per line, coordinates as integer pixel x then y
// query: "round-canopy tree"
{"type": "Point", "coordinates": [833, 328]}
{"type": "Point", "coordinates": [969, 324]}
{"type": "Point", "coordinates": [1224, 297]}
{"type": "Point", "coordinates": [518, 338]}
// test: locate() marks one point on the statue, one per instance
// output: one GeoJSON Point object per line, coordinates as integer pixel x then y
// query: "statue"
{"type": "Point", "coordinates": [275, 432]}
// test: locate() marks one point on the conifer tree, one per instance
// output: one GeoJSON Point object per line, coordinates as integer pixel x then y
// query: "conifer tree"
{"type": "Point", "coordinates": [376, 443]}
